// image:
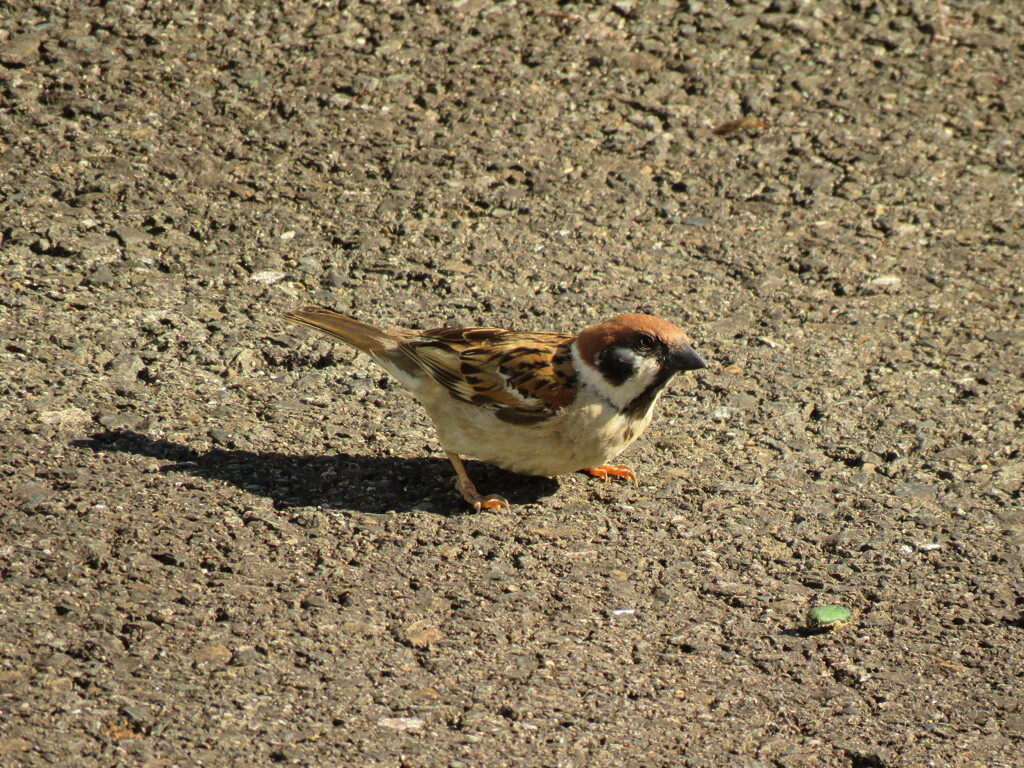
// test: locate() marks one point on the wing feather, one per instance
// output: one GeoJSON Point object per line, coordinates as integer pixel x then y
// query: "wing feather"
{"type": "Point", "coordinates": [524, 377]}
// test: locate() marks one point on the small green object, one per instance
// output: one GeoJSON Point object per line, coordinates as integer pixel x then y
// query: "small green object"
{"type": "Point", "coordinates": [827, 617]}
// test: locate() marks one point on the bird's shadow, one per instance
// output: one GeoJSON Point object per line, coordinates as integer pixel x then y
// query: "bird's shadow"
{"type": "Point", "coordinates": [370, 484]}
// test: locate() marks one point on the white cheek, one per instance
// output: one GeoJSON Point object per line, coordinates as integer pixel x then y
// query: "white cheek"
{"type": "Point", "coordinates": [646, 372]}
{"type": "Point", "coordinates": [621, 395]}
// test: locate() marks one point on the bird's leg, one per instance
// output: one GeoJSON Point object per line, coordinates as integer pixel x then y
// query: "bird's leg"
{"type": "Point", "coordinates": [469, 492]}
{"type": "Point", "coordinates": [605, 471]}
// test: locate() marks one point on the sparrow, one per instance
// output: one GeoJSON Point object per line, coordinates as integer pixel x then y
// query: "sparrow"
{"type": "Point", "coordinates": [533, 403]}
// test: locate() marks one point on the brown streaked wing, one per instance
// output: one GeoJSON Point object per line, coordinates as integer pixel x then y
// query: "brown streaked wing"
{"type": "Point", "coordinates": [524, 377]}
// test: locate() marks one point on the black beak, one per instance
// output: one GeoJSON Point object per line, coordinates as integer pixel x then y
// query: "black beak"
{"type": "Point", "coordinates": [684, 359]}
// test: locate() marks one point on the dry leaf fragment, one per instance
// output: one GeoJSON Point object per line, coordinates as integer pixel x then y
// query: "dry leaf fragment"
{"type": "Point", "coordinates": [746, 124]}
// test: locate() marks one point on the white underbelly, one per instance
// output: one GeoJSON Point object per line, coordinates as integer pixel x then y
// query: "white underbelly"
{"type": "Point", "coordinates": [577, 437]}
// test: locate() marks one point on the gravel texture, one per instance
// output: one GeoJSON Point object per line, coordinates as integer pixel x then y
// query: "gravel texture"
{"type": "Point", "coordinates": [226, 541]}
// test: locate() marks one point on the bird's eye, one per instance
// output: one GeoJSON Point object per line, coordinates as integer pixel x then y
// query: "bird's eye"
{"type": "Point", "coordinates": [645, 341]}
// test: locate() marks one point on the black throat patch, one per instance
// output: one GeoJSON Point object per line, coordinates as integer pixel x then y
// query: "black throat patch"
{"type": "Point", "coordinates": [640, 404]}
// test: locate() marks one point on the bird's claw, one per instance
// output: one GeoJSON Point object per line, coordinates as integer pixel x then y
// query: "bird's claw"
{"type": "Point", "coordinates": [494, 501]}
{"type": "Point", "coordinates": [605, 471]}
{"type": "Point", "coordinates": [477, 500]}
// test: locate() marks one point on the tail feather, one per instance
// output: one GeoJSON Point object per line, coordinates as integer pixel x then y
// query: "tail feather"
{"type": "Point", "coordinates": [362, 336]}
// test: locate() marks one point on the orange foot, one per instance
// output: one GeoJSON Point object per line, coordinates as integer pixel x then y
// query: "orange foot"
{"type": "Point", "coordinates": [479, 501]}
{"type": "Point", "coordinates": [612, 470]}
{"type": "Point", "coordinates": [476, 499]}
{"type": "Point", "coordinates": [469, 492]}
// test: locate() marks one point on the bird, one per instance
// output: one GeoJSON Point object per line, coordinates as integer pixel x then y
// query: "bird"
{"type": "Point", "coordinates": [533, 403]}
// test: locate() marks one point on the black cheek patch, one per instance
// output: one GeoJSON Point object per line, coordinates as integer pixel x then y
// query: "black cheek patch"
{"type": "Point", "coordinates": [617, 364]}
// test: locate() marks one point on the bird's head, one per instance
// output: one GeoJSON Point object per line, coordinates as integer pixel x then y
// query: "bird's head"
{"type": "Point", "coordinates": [629, 359]}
